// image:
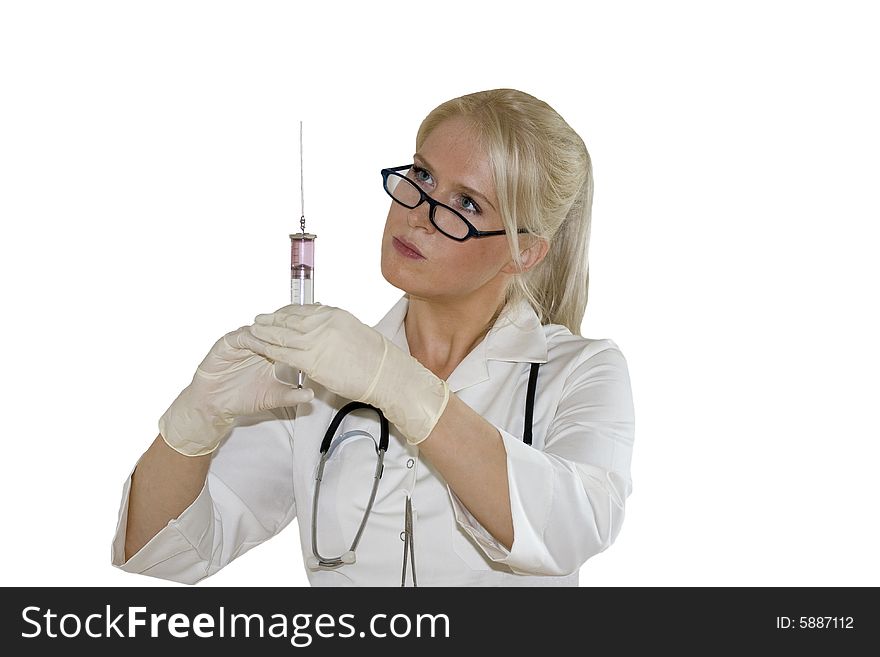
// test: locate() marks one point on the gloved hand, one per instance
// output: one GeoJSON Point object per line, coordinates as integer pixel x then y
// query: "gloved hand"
{"type": "Point", "coordinates": [230, 381]}
{"type": "Point", "coordinates": [355, 361]}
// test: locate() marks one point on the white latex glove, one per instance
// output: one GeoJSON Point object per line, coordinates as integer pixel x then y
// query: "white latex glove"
{"type": "Point", "coordinates": [231, 381]}
{"type": "Point", "coordinates": [355, 361]}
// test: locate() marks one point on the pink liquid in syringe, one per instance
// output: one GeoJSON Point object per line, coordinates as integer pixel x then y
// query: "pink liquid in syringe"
{"type": "Point", "coordinates": [302, 268]}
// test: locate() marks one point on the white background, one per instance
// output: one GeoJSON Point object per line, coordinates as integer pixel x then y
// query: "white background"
{"type": "Point", "coordinates": [149, 177]}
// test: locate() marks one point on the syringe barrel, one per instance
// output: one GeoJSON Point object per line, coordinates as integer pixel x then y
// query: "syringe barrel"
{"type": "Point", "coordinates": [302, 268]}
{"type": "Point", "coordinates": [302, 249]}
{"type": "Point", "coordinates": [302, 277]}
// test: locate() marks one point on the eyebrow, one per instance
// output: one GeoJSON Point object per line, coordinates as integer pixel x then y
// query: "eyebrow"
{"type": "Point", "coordinates": [465, 188]}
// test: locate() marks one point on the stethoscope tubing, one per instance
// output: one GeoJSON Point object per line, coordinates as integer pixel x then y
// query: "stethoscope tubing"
{"type": "Point", "coordinates": [319, 561]}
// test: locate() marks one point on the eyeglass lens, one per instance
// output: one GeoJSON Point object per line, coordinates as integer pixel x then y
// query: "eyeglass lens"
{"type": "Point", "coordinates": [406, 191]}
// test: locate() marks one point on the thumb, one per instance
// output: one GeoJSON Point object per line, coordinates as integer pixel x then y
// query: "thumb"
{"type": "Point", "coordinates": [285, 395]}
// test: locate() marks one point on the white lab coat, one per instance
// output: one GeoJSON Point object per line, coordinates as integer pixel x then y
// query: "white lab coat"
{"type": "Point", "coordinates": [567, 490]}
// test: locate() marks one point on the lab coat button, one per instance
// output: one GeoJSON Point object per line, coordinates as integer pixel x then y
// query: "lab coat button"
{"type": "Point", "coordinates": [410, 463]}
{"type": "Point", "coordinates": [402, 536]}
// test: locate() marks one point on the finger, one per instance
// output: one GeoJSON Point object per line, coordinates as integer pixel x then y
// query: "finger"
{"type": "Point", "coordinates": [305, 322]}
{"type": "Point", "coordinates": [229, 338]}
{"type": "Point", "coordinates": [239, 339]}
{"type": "Point", "coordinates": [280, 336]}
{"type": "Point", "coordinates": [293, 311]}
{"type": "Point", "coordinates": [293, 357]}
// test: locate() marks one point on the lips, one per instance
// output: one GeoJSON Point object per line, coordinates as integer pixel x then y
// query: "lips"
{"type": "Point", "coordinates": [408, 245]}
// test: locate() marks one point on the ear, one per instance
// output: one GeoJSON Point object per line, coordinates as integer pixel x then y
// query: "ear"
{"type": "Point", "coordinates": [529, 256]}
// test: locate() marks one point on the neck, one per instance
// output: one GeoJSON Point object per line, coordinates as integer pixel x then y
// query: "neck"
{"type": "Point", "coordinates": [441, 333]}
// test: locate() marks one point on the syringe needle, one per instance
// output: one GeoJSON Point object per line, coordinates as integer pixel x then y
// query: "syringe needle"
{"type": "Point", "coordinates": [302, 187]}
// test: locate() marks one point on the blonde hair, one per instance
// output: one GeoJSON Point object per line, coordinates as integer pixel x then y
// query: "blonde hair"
{"type": "Point", "coordinates": [544, 182]}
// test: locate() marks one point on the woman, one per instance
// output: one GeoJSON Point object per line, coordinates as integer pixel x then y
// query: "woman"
{"type": "Point", "coordinates": [486, 479]}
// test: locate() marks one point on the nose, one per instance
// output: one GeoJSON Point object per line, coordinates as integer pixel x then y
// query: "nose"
{"type": "Point", "coordinates": [419, 216]}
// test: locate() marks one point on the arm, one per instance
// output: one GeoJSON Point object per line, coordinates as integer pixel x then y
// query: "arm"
{"type": "Point", "coordinates": [185, 514]}
{"type": "Point", "coordinates": [163, 485]}
{"type": "Point", "coordinates": [565, 503]}
{"type": "Point", "coordinates": [246, 498]}
{"type": "Point", "coordinates": [469, 452]}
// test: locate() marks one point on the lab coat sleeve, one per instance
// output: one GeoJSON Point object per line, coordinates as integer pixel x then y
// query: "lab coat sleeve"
{"type": "Point", "coordinates": [247, 498]}
{"type": "Point", "coordinates": [567, 501]}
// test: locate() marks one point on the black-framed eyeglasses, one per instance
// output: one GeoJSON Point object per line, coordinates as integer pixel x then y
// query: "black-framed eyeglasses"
{"type": "Point", "coordinates": [451, 223]}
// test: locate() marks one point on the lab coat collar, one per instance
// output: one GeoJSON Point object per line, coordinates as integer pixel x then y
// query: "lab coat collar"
{"type": "Point", "coordinates": [517, 336]}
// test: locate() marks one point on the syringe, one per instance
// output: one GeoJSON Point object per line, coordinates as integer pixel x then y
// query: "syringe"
{"type": "Point", "coordinates": [302, 273]}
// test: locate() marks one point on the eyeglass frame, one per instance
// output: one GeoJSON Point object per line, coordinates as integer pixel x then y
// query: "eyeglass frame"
{"type": "Point", "coordinates": [473, 231]}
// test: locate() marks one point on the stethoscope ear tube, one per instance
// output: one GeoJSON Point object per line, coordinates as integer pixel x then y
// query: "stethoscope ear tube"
{"type": "Point", "coordinates": [345, 410]}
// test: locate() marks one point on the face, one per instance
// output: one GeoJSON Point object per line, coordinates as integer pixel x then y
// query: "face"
{"type": "Point", "coordinates": [453, 169]}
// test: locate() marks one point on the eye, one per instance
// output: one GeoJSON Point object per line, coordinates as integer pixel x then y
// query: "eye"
{"type": "Point", "coordinates": [420, 175]}
{"type": "Point", "coordinates": [468, 205]}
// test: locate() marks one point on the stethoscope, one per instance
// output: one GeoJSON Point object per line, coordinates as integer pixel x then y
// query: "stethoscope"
{"type": "Point", "coordinates": [317, 561]}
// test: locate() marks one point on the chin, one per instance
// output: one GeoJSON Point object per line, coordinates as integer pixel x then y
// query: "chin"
{"type": "Point", "coordinates": [402, 281]}
{"type": "Point", "coordinates": [391, 273]}
{"type": "Point", "coordinates": [398, 281]}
